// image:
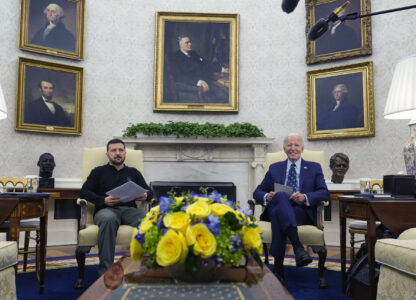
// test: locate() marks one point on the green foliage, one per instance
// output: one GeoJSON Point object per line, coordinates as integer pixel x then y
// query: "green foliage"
{"type": "Point", "coordinates": [224, 247]}
{"type": "Point", "coordinates": [187, 129]}
{"type": "Point", "coordinates": [152, 238]}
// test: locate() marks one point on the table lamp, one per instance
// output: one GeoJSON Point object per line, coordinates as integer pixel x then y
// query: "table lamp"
{"type": "Point", "coordinates": [3, 109]}
{"type": "Point", "coordinates": [401, 104]}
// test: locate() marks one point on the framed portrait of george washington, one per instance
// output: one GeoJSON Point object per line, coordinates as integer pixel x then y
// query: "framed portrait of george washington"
{"type": "Point", "coordinates": [342, 40]}
{"type": "Point", "coordinates": [340, 102]}
{"type": "Point", "coordinates": [196, 62]}
{"type": "Point", "coordinates": [49, 97]}
{"type": "Point", "coordinates": [53, 28]}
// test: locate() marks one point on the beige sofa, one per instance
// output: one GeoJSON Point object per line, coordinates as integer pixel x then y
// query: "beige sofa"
{"type": "Point", "coordinates": [8, 259]}
{"type": "Point", "coordinates": [398, 266]}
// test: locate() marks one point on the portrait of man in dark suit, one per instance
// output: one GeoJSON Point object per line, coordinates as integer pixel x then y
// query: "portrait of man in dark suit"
{"type": "Point", "coordinates": [44, 110]}
{"type": "Point", "coordinates": [339, 112]}
{"type": "Point", "coordinates": [53, 33]}
{"type": "Point", "coordinates": [341, 36]}
{"type": "Point", "coordinates": [197, 63]}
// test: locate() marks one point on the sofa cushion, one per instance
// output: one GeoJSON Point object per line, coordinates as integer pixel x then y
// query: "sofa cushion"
{"type": "Point", "coordinates": [409, 234]}
{"type": "Point", "coordinates": [397, 254]}
{"type": "Point", "coordinates": [8, 254]}
{"type": "Point", "coordinates": [89, 235]}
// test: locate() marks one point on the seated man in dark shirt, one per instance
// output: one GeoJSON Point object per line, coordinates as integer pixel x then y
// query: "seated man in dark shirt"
{"type": "Point", "coordinates": [110, 212]}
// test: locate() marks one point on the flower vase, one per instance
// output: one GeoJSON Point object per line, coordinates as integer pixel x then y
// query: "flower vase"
{"type": "Point", "coordinates": [207, 272]}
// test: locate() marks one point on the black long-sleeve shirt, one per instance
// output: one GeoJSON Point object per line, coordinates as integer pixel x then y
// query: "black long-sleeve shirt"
{"type": "Point", "coordinates": [105, 178]}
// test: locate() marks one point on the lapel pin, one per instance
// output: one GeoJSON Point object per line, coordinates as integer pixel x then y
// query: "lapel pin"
{"type": "Point", "coordinates": [305, 167]}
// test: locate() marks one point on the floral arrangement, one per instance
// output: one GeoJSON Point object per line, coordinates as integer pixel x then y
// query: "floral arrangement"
{"type": "Point", "coordinates": [193, 229]}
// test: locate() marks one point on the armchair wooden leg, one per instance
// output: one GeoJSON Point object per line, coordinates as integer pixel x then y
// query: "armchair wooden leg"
{"type": "Point", "coordinates": [321, 251]}
{"type": "Point", "coordinates": [80, 253]}
{"type": "Point", "coordinates": [26, 250]}
{"type": "Point", "coordinates": [266, 254]}
{"type": "Point", "coordinates": [352, 250]}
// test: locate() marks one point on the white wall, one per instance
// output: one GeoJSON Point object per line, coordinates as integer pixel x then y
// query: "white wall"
{"type": "Point", "coordinates": [118, 87]}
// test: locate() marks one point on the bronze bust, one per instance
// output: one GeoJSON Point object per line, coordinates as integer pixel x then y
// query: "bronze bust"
{"type": "Point", "coordinates": [339, 164]}
{"type": "Point", "coordinates": [46, 165]}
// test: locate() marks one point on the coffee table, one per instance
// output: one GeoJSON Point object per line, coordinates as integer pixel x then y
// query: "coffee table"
{"type": "Point", "coordinates": [128, 279]}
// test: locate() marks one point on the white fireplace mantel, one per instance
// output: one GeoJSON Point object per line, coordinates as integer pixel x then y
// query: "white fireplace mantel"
{"type": "Point", "coordinates": [239, 160]}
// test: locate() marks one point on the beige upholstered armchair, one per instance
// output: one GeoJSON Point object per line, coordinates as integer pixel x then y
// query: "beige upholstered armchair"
{"type": "Point", "coordinates": [309, 235]}
{"type": "Point", "coordinates": [8, 263]}
{"type": "Point", "coordinates": [88, 231]}
{"type": "Point", "coordinates": [398, 266]}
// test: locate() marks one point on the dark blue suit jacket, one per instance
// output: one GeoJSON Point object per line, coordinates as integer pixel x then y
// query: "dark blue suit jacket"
{"type": "Point", "coordinates": [311, 183]}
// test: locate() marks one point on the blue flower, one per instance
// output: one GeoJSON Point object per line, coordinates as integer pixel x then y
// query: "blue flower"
{"type": "Point", "coordinates": [213, 224]}
{"type": "Point", "coordinates": [215, 196]}
{"type": "Point", "coordinates": [164, 204]}
{"type": "Point", "coordinates": [229, 203]}
{"type": "Point", "coordinates": [246, 211]}
{"type": "Point", "coordinates": [140, 237]}
{"type": "Point", "coordinates": [236, 242]}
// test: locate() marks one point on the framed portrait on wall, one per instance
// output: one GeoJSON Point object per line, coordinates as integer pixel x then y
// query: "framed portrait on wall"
{"type": "Point", "coordinates": [53, 28]}
{"type": "Point", "coordinates": [342, 40]}
{"type": "Point", "coordinates": [196, 62]}
{"type": "Point", "coordinates": [49, 97]}
{"type": "Point", "coordinates": [340, 102]}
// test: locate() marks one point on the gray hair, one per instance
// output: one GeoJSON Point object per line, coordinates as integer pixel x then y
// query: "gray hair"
{"type": "Point", "coordinates": [295, 135]}
{"type": "Point", "coordinates": [180, 37]}
{"type": "Point", "coordinates": [59, 9]}
{"type": "Point", "coordinates": [342, 86]}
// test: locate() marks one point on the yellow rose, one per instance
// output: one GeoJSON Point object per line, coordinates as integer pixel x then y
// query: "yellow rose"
{"type": "Point", "coordinates": [223, 200]}
{"type": "Point", "coordinates": [252, 239]}
{"type": "Point", "coordinates": [178, 221]}
{"type": "Point", "coordinates": [154, 211]}
{"type": "Point", "coordinates": [200, 209]}
{"type": "Point", "coordinates": [179, 199]}
{"type": "Point", "coordinates": [171, 249]}
{"type": "Point", "coordinates": [201, 199]}
{"type": "Point", "coordinates": [136, 249]}
{"type": "Point", "coordinates": [218, 209]}
{"type": "Point", "coordinates": [203, 240]}
{"type": "Point", "coordinates": [146, 224]}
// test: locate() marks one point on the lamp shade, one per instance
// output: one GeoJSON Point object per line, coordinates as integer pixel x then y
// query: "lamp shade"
{"type": "Point", "coordinates": [401, 100]}
{"type": "Point", "coordinates": [3, 109]}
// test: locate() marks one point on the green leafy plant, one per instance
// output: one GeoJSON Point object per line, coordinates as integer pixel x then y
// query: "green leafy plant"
{"type": "Point", "coordinates": [188, 129]}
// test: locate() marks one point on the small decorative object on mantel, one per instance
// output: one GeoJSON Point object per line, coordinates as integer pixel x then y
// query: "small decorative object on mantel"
{"type": "Point", "coordinates": [46, 165]}
{"type": "Point", "coordinates": [187, 129]}
{"type": "Point", "coordinates": [193, 236]}
{"type": "Point", "coordinates": [339, 164]}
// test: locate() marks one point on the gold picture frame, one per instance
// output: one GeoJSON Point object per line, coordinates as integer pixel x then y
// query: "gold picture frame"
{"type": "Point", "coordinates": [60, 34]}
{"type": "Point", "coordinates": [204, 76]}
{"type": "Point", "coordinates": [349, 117]}
{"type": "Point", "coordinates": [49, 97]}
{"type": "Point", "coordinates": [351, 38]}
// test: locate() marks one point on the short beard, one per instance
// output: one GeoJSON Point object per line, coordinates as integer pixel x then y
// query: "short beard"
{"type": "Point", "coordinates": [116, 163]}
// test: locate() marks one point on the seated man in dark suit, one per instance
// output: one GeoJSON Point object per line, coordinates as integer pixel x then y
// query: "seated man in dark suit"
{"type": "Point", "coordinates": [44, 110]}
{"type": "Point", "coordinates": [286, 213]}
{"type": "Point", "coordinates": [189, 68]}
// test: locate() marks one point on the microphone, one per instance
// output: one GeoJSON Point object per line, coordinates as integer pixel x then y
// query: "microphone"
{"type": "Point", "coordinates": [289, 5]}
{"type": "Point", "coordinates": [322, 25]}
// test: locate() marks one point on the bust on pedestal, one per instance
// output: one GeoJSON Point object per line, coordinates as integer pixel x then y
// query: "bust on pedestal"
{"type": "Point", "coordinates": [46, 165]}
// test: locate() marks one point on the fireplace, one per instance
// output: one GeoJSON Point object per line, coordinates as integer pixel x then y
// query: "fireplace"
{"type": "Point", "coordinates": [207, 160]}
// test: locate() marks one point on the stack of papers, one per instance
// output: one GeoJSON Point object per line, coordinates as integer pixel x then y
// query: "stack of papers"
{"type": "Point", "coordinates": [283, 188]}
{"type": "Point", "coordinates": [128, 191]}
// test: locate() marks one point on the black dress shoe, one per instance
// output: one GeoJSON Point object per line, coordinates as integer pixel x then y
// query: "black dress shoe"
{"type": "Point", "coordinates": [302, 257]}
